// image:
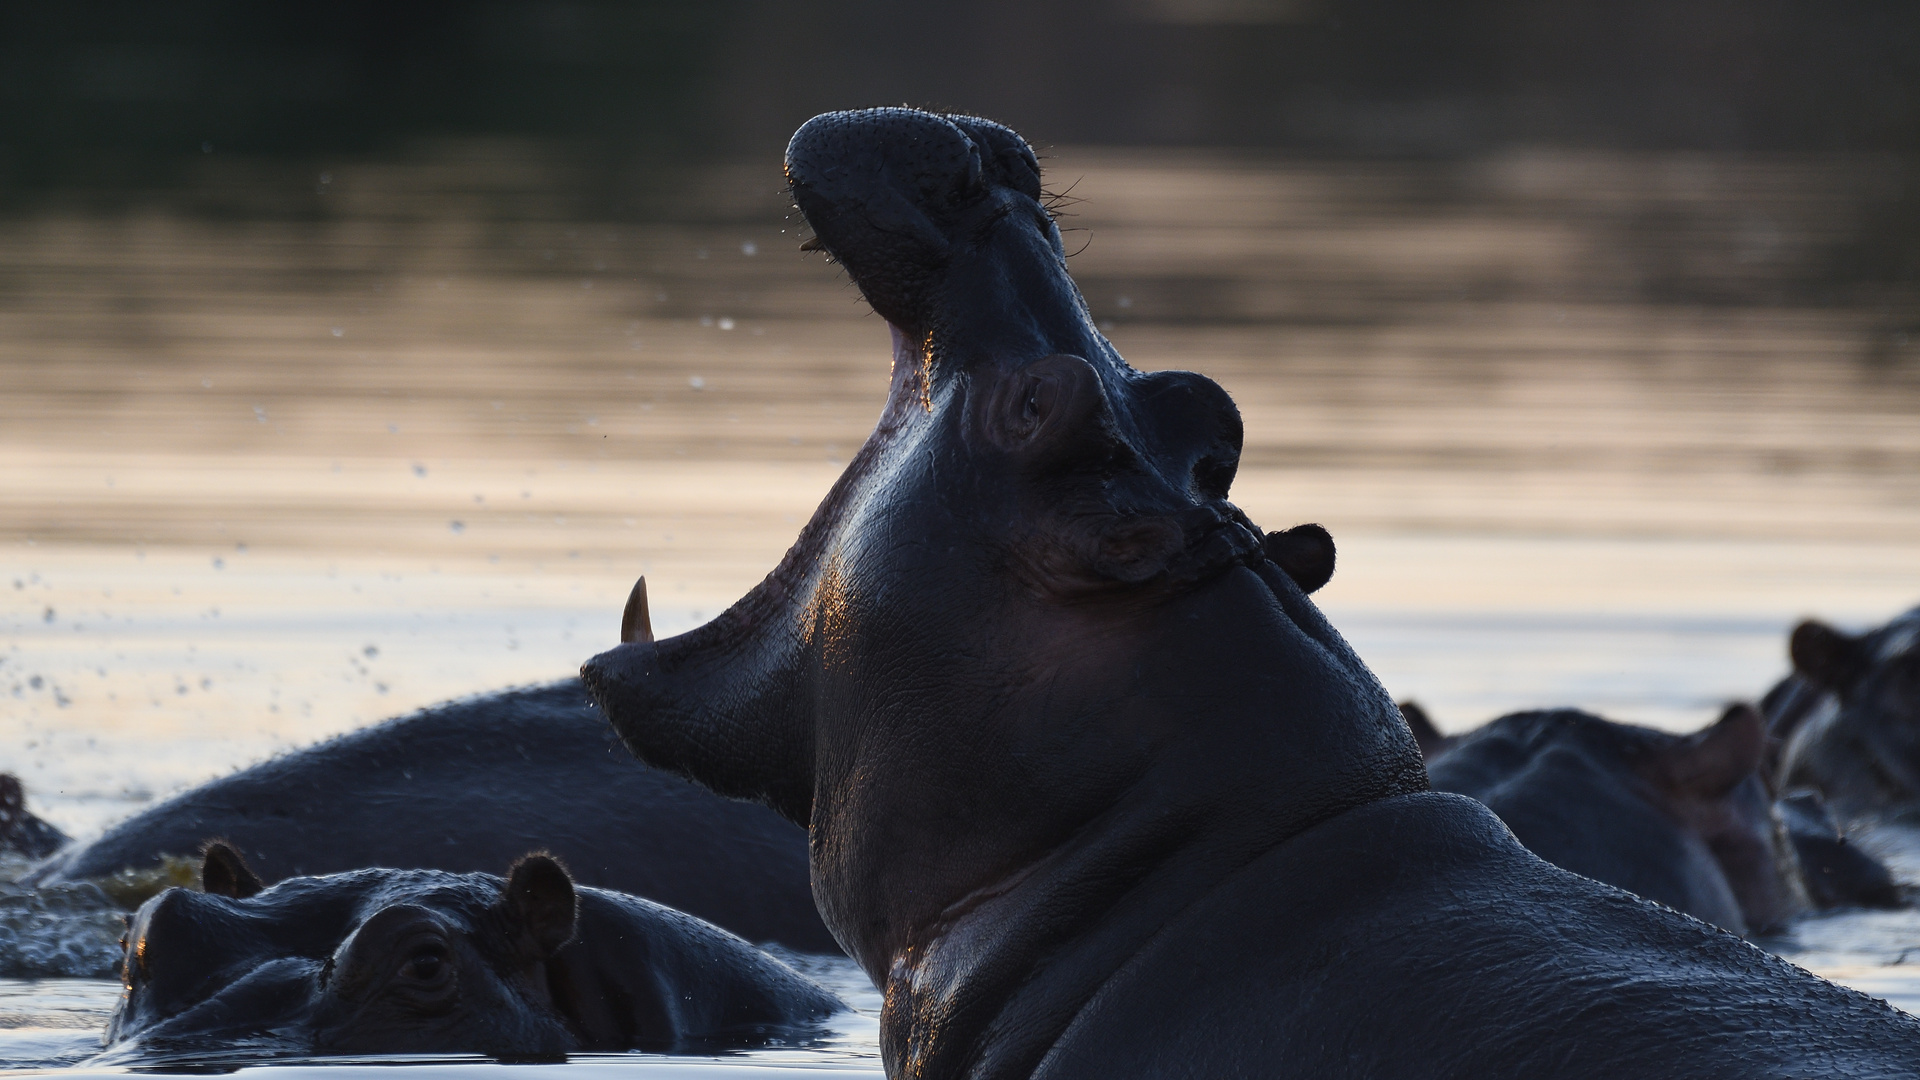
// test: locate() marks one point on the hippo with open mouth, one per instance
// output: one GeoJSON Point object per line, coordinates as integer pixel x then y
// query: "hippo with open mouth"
{"type": "Point", "coordinates": [427, 962]}
{"type": "Point", "coordinates": [1093, 789]}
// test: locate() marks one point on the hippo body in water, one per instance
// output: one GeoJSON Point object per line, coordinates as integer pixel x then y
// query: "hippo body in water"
{"type": "Point", "coordinates": [1849, 719]}
{"type": "Point", "coordinates": [469, 787]}
{"type": "Point", "coordinates": [427, 962]}
{"type": "Point", "coordinates": [1686, 820]}
{"type": "Point", "coordinates": [1094, 790]}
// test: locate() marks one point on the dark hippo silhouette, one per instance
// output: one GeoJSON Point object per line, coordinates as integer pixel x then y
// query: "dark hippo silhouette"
{"type": "Point", "coordinates": [1563, 802]}
{"type": "Point", "coordinates": [1688, 821]}
{"type": "Point", "coordinates": [1094, 789]}
{"type": "Point", "coordinates": [423, 961]}
{"type": "Point", "coordinates": [472, 785]}
{"type": "Point", "coordinates": [20, 831]}
{"type": "Point", "coordinates": [1849, 718]}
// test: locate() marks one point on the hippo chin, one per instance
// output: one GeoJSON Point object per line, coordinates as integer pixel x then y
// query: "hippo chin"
{"type": "Point", "coordinates": [1686, 820]}
{"type": "Point", "coordinates": [1849, 718]}
{"type": "Point", "coordinates": [425, 962]}
{"type": "Point", "coordinates": [1093, 788]}
{"type": "Point", "coordinates": [471, 785]}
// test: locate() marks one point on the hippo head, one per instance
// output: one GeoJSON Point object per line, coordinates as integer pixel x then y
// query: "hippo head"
{"type": "Point", "coordinates": [1873, 736]}
{"type": "Point", "coordinates": [376, 961]}
{"type": "Point", "coordinates": [1026, 655]}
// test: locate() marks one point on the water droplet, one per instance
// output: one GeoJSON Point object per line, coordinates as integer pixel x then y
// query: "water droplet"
{"type": "Point", "coordinates": [697, 382]}
{"type": "Point", "coordinates": [339, 332]}
{"type": "Point", "coordinates": [219, 563]}
{"type": "Point", "coordinates": [749, 248]}
{"type": "Point", "coordinates": [370, 651]}
{"type": "Point", "coordinates": [419, 470]}
{"type": "Point", "coordinates": [457, 526]}
{"type": "Point", "coordinates": [726, 323]}
{"type": "Point", "coordinates": [48, 617]}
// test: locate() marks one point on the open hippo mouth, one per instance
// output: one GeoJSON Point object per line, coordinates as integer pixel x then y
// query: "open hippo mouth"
{"type": "Point", "coordinates": [1027, 595]}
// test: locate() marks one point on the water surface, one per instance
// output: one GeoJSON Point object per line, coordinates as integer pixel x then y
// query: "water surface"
{"type": "Point", "coordinates": [1589, 429]}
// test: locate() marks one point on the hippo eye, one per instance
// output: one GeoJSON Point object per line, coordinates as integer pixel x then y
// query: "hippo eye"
{"type": "Point", "coordinates": [425, 965]}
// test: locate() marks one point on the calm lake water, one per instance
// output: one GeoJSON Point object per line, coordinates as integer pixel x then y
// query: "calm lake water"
{"type": "Point", "coordinates": [1589, 429]}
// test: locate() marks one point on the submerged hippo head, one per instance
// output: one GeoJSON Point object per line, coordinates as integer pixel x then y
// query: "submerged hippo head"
{"type": "Point", "coordinates": [1687, 820]}
{"type": "Point", "coordinates": [1858, 744]}
{"type": "Point", "coordinates": [422, 961]}
{"type": "Point", "coordinates": [1027, 669]}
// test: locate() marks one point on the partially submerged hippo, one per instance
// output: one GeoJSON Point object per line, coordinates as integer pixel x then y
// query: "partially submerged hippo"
{"type": "Point", "coordinates": [21, 832]}
{"type": "Point", "coordinates": [426, 962]}
{"type": "Point", "coordinates": [1094, 790]}
{"type": "Point", "coordinates": [1849, 718]}
{"type": "Point", "coordinates": [1687, 820]}
{"type": "Point", "coordinates": [472, 785]}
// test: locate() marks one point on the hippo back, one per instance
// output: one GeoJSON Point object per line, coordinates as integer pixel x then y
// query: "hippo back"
{"type": "Point", "coordinates": [472, 785]}
{"type": "Point", "coordinates": [1421, 914]}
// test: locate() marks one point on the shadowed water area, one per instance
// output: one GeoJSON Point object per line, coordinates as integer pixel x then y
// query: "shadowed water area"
{"type": "Point", "coordinates": [312, 448]}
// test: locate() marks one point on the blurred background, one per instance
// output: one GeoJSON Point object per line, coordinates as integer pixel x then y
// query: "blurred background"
{"type": "Point", "coordinates": [355, 356]}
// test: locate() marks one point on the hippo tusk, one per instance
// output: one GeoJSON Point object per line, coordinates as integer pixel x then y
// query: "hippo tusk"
{"type": "Point", "coordinates": [635, 623]}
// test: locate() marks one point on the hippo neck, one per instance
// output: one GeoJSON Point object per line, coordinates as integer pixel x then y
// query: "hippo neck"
{"type": "Point", "coordinates": [991, 989]}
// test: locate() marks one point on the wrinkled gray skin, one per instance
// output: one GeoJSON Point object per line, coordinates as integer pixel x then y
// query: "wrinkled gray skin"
{"type": "Point", "coordinates": [472, 785]}
{"type": "Point", "coordinates": [1684, 820]}
{"type": "Point", "coordinates": [1849, 718]}
{"type": "Point", "coordinates": [21, 832]}
{"type": "Point", "coordinates": [426, 962]}
{"type": "Point", "coordinates": [1093, 788]}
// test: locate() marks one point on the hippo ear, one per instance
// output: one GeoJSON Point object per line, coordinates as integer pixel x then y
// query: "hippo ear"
{"type": "Point", "coordinates": [539, 900]}
{"type": "Point", "coordinates": [1305, 552]}
{"type": "Point", "coordinates": [224, 873]}
{"type": "Point", "coordinates": [1044, 411]}
{"type": "Point", "coordinates": [1826, 657]}
{"type": "Point", "coordinates": [1712, 761]}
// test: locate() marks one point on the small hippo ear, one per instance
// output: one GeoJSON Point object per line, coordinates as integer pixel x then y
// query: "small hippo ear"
{"type": "Point", "coordinates": [1305, 552]}
{"type": "Point", "coordinates": [224, 873]}
{"type": "Point", "coordinates": [1710, 762]}
{"type": "Point", "coordinates": [539, 899]}
{"type": "Point", "coordinates": [1828, 658]}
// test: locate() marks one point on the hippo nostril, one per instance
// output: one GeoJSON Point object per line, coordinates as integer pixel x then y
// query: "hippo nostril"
{"type": "Point", "coordinates": [968, 181]}
{"type": "Point", "coordinates": [1213, 475]}
{"type": "Point", "coordinates": [1007, 157]}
